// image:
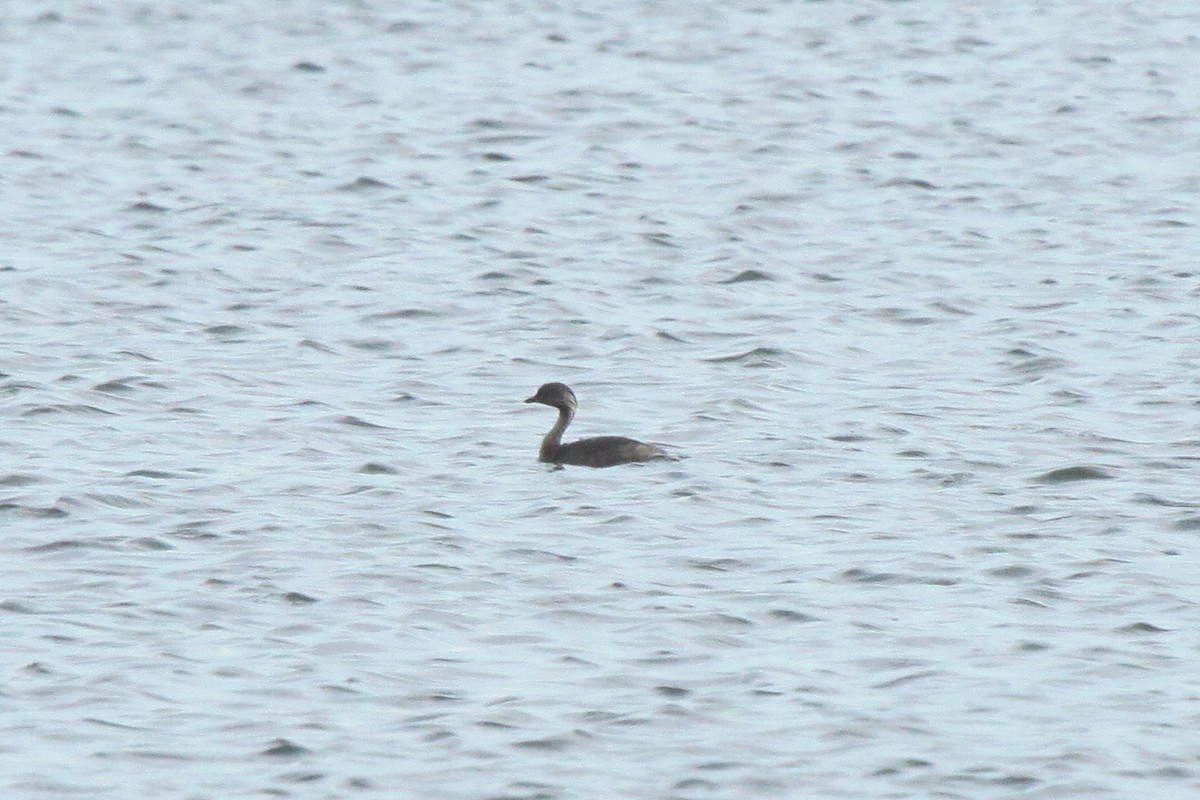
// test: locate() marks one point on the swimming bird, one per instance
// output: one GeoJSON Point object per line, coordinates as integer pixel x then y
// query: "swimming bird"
{"type": "Point", "coordinates": [600, 451]}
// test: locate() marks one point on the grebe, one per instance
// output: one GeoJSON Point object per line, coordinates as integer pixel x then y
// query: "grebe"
{"type": "Point", "coordinates": [601, 451]}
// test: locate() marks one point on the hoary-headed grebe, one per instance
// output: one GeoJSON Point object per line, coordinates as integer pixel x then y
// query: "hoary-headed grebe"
{"type": "Point", "coordinates": [601, 451]}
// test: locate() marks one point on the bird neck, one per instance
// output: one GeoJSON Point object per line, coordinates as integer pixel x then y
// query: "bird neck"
{"type": "Point", "coordinates": [553, 439]}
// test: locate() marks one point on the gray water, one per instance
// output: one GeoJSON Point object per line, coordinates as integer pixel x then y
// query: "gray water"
{"type": "Point", "coordinates": [911, 288]}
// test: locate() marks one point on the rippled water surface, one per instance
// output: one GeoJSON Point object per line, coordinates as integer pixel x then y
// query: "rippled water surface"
{"type": "Point", "coordinates": [912, 288]}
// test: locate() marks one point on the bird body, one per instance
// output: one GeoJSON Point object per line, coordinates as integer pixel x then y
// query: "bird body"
{"type": "Point", "coordinates": [598, 451]}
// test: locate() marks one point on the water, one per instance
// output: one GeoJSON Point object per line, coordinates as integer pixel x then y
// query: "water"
{"type": "Point", "coordinates": [911, 287]}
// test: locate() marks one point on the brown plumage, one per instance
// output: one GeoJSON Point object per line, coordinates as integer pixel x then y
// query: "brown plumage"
{"type": "Point", "coordinates": [600, 451]}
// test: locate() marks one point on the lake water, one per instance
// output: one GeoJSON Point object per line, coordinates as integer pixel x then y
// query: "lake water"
{"type": "Point", "coordinates": [912, 289]}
